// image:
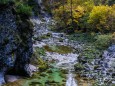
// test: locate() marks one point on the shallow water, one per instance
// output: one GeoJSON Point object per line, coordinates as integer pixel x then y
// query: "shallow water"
{"type": "Point", "coordinates": [71, 80]}
{"type": "Point", "coordinates": [60, 57]}
{"type": "Point", "coordinates": [1, 78]}
{"type": "Point", "coordinates": [59, 53]}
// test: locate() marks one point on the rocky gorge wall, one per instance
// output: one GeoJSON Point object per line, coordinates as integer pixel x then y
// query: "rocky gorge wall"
{"type": "Point", "coordinates": [15, 40]}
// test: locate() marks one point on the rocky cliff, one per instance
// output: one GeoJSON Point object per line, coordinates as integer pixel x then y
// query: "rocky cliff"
{"type": "Point", "coordinates": [15, 40]}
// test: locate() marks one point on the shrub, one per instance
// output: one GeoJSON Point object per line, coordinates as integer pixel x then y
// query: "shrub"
{"type": "Point", "coordinates": [80, 9]}
{"type": "Point", "coordinates": [103, 41]}
{"type": "Point", "coordinates": [113, 38]}
{"type": "Point", "coordinates": [24, 9]}
{"type": "Point", "coordinates": [100, 18]}
{"type": "Point", "coordinates": [4, 1]}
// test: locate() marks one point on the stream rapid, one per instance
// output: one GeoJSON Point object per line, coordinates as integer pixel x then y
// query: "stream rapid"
{"type": "Point", "coordinates": [61, 51]}
{"type": "Point", "coordinates": [64, 61]}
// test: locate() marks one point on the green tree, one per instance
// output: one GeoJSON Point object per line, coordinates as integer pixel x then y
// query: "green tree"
{"type": "Point", "coordinates": [111, 2]}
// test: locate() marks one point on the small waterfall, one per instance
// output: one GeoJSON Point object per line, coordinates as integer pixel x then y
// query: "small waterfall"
{"type": "Point", "coordinates": [1, 78]}
{"type": "Point", "coordinates": [71, 77]}
{"type": "Point", "coordinates": [70, 80]}
{"type": "Point", "coordinates": [64, 61]}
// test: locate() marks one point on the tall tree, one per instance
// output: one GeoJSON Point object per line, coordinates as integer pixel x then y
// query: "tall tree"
{"type": "Point", "coordinates": [71, 2]}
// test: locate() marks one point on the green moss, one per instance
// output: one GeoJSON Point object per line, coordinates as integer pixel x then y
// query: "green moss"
{"type": "Point", "coordinates": [79, 67]}
{"type": "Point", "coordinates": [103, 41]}
{"type": "Point", "coordinates": [59, 49]}
{"type": "Point", "coordinates": [40, 51]}
{"type": "Point", "coordinates": [94, 44]}
{"type": "Point", "coordinates": [24, 9]}
{"type": "Point", "coordinates": [54, 78]}
{"type": "Point", "coordinates": [83, 37]}
{"type": "Point", "coordinates": [42, 64]}
{"type": "Point", "coordinates": [49, 78]}
{"type": "Point", "coordinates": [38, 60]}
{"type": "Point", "coordinates": [46, 36]}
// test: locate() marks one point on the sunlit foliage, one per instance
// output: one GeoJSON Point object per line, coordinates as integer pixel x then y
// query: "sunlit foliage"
{"type": "Point", "coordinates": [84, 15]}
{"type": "Point", "coordinates": [101, 18]}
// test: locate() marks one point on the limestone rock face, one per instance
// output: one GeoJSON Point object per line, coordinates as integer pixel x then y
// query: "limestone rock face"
{"type": "Point", "coordinates": [15, 40]}
{"type": "Point", "coordinates": [9, 38]}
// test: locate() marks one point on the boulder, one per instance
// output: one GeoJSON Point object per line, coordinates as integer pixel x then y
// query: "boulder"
{"type": "Point", "coordinates": [30, 69]}
{"type": "Point", "coordinates": [12, 78]}
{"type": "Point", "coordinates": [2, 81]}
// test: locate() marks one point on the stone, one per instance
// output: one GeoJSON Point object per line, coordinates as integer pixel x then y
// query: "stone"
{"type": "Point", "coordinates": [113, 82]}
{"type": "Point", "coordinates": [111, 48]}
{"type": "Point", "coordinates": [30, 69]}
{"type": "Point", "coordinates": [12, 78]}
{"type": "Point", "coordinates": [2, 81]}
{"type": "Point", "coordinates": [15, 40]}
{"type": "Point", "coordinates": [8, 37]}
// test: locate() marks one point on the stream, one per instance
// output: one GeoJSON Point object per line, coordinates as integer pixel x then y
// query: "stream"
{"type": "Point", "coordinates": [61, 51]}
{"type": "Point", "coordinates": [63, 60]}
{"type": "Point", "coordinates": [59, 54]}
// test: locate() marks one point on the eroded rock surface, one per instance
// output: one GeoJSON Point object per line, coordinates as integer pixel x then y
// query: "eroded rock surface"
{"type": "Point", "coordinates": [15, 41]}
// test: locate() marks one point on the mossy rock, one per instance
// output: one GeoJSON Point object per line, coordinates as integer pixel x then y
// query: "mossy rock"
{"type": "Point", "coordinates": [79, 67]}
{"type": "Point", "coordinates": [49, 34]}
{"type": "Point", "coordinates": [58, 49]}
{"type": "Point", "coordinates": [45, 36]}
{"type": "Point", "coordinates": [36, 57]}
{"type": "Point", "coordinates": [61, 40]}
{"type": "Point", "coordinates": [53, 78]}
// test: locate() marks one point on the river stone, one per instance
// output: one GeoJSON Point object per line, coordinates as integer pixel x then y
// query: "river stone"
{"type": "Point", "coordinates": [112, 48]}
{"type": "Point", "coordinates": [12, 78]}
{"type": "Point", "coordinates": [2, 81]}
{"type": "Point", "coordinates": [30, 69]}
{"type": "Point", "coordinates": [113, 82]}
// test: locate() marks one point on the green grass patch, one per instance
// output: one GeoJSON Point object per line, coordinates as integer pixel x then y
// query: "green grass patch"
{"type": "Point", "coordinates": [23, 9]}
{"type": "Point", "coordinates": [94, 44]}
{"type": "Point", "coordinates": [51, 77]}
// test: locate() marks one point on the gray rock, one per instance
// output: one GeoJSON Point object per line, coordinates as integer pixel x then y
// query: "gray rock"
{"type": "Point", "coordinates": [30, 69]}
{"type": "Point", "coordinates": [111, 48]}
{"type": "Point", "coordinates": [12, 78]}
{"type": "Point", "coordinates": [2, 81]}
{"type": "Point", "coordinates": [15, 40]}
{"type": "Point", "coordinates": [113, 82]}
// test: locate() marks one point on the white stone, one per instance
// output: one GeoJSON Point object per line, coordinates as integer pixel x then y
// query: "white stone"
{"type": "Point", "coordinates": [12, 78]}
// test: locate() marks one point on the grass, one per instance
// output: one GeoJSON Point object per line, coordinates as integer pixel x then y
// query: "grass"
{"type": "Point", "coordinates": [94, 44]}
{"type": "Point", "coordinates": [23, 9]}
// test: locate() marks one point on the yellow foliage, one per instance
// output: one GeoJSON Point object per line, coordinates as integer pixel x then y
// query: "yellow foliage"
{"type": "Point", "coordinates": [78, 13]}
{"type": "Point", "coordinates": [85, 15]}
{"type": "Point", "coordinates": [99, 13]}
{"type": "Point", "coordinates": [113, 10]}
{"type": "Point", "coordinates": [99, 17]}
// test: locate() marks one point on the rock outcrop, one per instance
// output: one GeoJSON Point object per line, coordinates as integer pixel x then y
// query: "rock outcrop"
{"type": "Point", "coordinates": [15, 41]}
